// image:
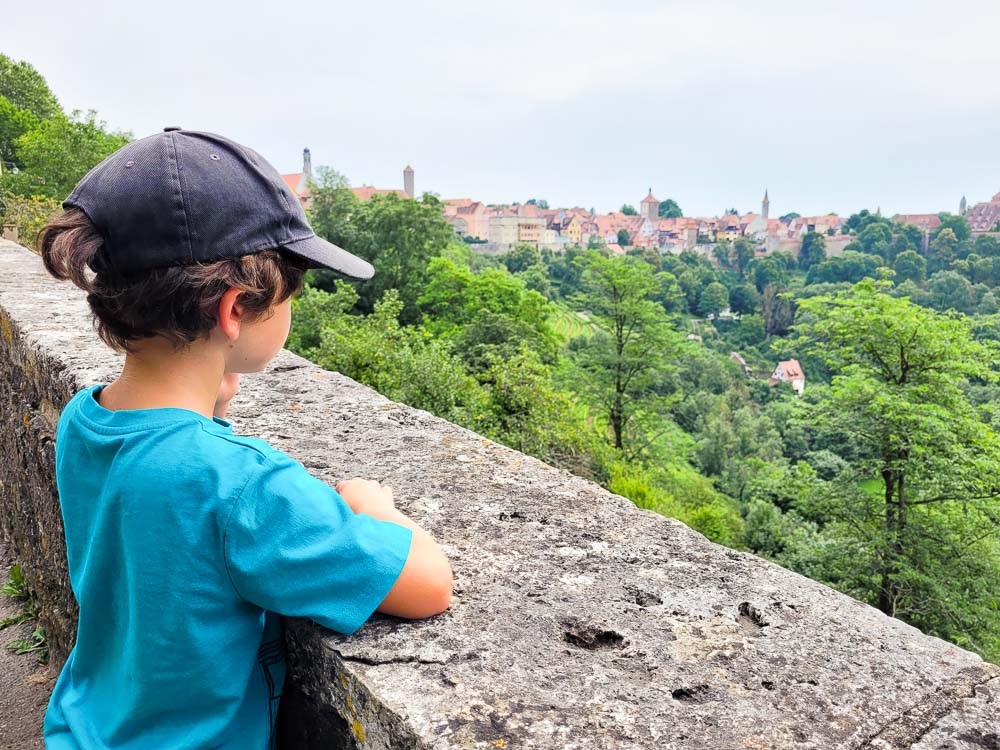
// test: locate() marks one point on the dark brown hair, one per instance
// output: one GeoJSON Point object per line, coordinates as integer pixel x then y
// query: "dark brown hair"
{"type": "Point", "coordinates": [178, 303]}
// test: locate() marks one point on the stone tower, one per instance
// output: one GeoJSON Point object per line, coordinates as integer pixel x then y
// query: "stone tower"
{"type": "Point", "coordinates": [307, 163]}
{"type": "Point", "coordinates": [962, 207]}
{"type": "Point", "coordinates": [765, 206]}
{"type": "Point", "coordinates": [408, 181]}
{"type": "Point", "coordinates": [650, 207]}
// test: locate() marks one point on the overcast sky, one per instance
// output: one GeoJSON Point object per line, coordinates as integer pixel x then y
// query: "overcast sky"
{"type": "Point", "coordinates": [832, 106]}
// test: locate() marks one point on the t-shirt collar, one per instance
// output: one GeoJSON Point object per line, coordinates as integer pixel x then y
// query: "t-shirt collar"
{"type": "Point", "coordinates": [96, 413]}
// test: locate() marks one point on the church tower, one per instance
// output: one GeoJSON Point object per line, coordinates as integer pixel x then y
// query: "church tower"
{"type": "Point", "coordinates": [408, 181]}
{"type": "Point", "coordinates": [307, 163]}
{"type": "Point", "coordinates": [962, 207]}
{"type": "Point", "coordinates": [765, 206]}
{"type": "Point", "coordinates": [650, 207]}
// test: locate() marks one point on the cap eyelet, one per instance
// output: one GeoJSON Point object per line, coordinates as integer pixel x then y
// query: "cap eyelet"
{"type": "Point", "coordinates": [214, 157]}
{"type": "Point", "coordinates": [129, 163]}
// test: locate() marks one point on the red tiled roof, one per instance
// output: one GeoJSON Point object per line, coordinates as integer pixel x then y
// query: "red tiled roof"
{"type": "Point", "coordinates": [982, 217]}
{"type": "Point", "coordinates": [365, 192]}
{"type": "Point", "coordinates": [292, 180]}
{"type": "Point", "coordinates": [924, 221]}
{"type": "Point", "coordinates": [791, 368]}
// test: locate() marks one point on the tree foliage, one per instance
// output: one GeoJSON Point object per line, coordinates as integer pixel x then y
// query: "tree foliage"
{"type": "Point", "coordinates": [899, 396]}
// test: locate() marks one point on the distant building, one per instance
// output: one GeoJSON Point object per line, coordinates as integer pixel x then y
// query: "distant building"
{"type": "Point", "coordinates": [298, 182]}
{"type": "Point", "coordinates": [789, 371]}
{"type": "Point", "coordinates": [408, 181]}
{"type": "Point", "coordinates": [469, 218]}
{"type": "Point", "coordinates": [650, 207]}
{"type": "Point", "coordinates": [365, 192]}
{"type": "Point", "coordinates": [983, 217]}
{"type": "Point", "coordinates": [924, 222]}
{"type": "Point", "coordinates": [729, 228]}
{"type": "Point", "coordinates": [765, 205]}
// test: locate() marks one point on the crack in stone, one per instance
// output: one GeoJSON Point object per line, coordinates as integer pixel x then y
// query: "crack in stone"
{"type": "Point", "coordinates": [374, 662]}
{"type": "Point", "coordinates": [920, 718]}
{"type": "Point", "coordinates": [393, 660]}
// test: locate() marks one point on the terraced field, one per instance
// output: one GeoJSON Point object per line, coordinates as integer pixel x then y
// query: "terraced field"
{"type": "Point", "coordinates": [570, 323]}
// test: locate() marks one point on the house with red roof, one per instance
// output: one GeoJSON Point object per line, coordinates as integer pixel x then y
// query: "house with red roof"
{"type": "Point", "coordinates": [924, 222]}
{"type": "Point", "coordinates": [789, 371]}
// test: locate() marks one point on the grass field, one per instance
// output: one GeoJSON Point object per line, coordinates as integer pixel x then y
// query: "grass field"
{"type": "Point", "coordinates": [873, 487]}
{"type": "Point", "coordinates": [569, 323]}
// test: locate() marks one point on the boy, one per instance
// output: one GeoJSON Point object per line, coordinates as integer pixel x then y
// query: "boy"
{"type": "Point", "coordinates": [185, 541]}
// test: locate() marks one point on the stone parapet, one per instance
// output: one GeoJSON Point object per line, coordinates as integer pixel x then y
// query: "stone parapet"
{"type": "Point", "coordinates": [578, 620]}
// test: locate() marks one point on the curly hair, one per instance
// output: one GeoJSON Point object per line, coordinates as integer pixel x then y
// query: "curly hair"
{"type": "Point", "coordinates": [178, 303]}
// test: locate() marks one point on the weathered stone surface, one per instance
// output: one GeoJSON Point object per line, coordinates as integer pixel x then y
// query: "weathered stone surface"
{"type": "Point", "coordinates": [578, 621]}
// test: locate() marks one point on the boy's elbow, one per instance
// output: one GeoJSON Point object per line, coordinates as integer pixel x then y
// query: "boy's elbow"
{"type": "Point", "coordinates": [444, 595]}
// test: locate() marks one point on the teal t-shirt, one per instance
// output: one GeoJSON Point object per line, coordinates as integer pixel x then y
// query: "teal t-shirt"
{"type": "Point", "coordinates": [185, 543]}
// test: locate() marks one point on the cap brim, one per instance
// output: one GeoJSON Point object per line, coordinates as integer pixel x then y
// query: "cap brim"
{"type": "Point", "coordinates": [327, 255]}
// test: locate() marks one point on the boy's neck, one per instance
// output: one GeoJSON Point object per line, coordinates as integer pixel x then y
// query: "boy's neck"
{"type": "Point", "coordinates": [156, 378]}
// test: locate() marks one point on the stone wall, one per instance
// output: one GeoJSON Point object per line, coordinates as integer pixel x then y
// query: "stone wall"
{"type": "Point", "coordinates": [578, 620]}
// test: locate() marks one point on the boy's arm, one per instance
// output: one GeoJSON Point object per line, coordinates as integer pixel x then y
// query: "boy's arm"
{"type": "Point", "coordinates": [292, 545]}
{"type": "Point", "coordinates": [424, 586]}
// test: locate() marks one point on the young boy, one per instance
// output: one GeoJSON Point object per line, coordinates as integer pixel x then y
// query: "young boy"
{"type": "Point", "coordinates": [185, 541]}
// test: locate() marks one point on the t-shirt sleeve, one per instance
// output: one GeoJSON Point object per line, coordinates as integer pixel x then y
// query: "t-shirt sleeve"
{"type": "Point", "coordinates": [293, 545]}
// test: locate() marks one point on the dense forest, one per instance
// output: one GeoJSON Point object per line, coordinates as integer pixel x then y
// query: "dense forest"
{"type": "Point", "coordinates": [882, 479]}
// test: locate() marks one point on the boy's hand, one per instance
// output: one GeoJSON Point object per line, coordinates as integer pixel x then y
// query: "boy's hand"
{"type": "Point", "coordinates": [227, 389]}
{"type": "Point", "coordinates": [366, 496]}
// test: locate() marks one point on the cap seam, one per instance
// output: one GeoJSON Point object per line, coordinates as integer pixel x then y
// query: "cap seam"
{"type": "Point", "coordinates": [180, 194]}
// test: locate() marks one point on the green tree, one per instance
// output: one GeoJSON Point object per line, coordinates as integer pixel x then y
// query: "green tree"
{"type": "Point", "coordinates": [629, 210]}
{"type": "Point", "coordinates": [876, 239]}
{"type": "Point", "coordinates": [944, 251]}
{"type": "Point", "coordinates": [669, 209]}
{"type": "Point", "coordinates": [744, 300]}
{"type": "Point", "coordinates": [398, 236]}
{"type": "Point", "coordinates": [929, 532]}
{"type": "Point", "coordinates": [623, 238]}
{"type": "Point", "coordinates": [26, 89]}
{"type": "Point", "coordinates": [949, 290]}
{"type": "Point", "coordinates": [14, 123]}
{"type": "Point", "coordinates": [813, 250]}
{"type": "Point", "coordinates": [632, 346]}
{"type": "Point", "coordinates": [910, 265]}
{"type": "Point", "coordinates": [769, 269]}
{"type": "Point", "coordinates": [723, 252]}
{"type": "Point", "coordinates": [857, 223]}
{"type": "Point", "coordinates": [957, 224]}
{"type": "Point", "coordinates": [713, 300]}
{"type": "Point", "coordinates": [521, 257]}
{"type": "Point", "coordinates": [745, 253]}
{"type": "Point", "coordinates": [57, 153]}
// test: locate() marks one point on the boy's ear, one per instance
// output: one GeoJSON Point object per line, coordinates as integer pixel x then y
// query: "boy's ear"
{"type": "Point", "coordinates": [230, 313]}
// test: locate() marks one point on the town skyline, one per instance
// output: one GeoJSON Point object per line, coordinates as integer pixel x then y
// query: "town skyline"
{"type": "Point", "coordinates": [833, 106]}
{"type": "Point", "coordinates": [743, 207]}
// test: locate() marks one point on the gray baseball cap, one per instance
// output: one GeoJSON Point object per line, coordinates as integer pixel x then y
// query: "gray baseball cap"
{"type": "Point", "coordinates": [186, 196]}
